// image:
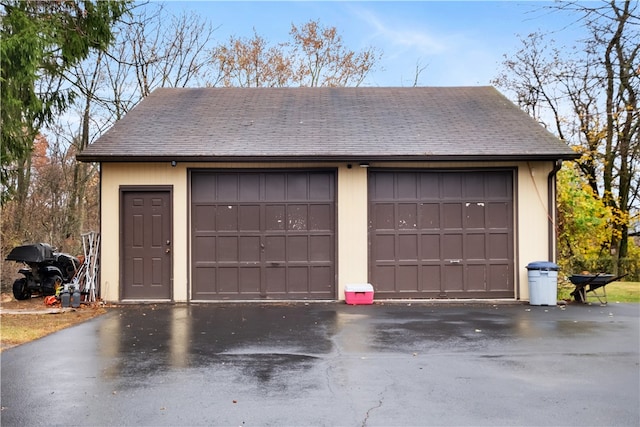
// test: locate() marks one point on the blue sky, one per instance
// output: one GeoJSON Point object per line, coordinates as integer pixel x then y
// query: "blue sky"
{"type": "Point", "coordinates": [461, 43]}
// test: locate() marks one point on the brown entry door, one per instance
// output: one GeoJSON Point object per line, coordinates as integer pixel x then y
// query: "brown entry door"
{"type": "Point", "coordinates": [146, 245]}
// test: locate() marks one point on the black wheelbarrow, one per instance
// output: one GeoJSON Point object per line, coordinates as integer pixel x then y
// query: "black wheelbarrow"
{"type": "Point", "coordinates": [593, 283]}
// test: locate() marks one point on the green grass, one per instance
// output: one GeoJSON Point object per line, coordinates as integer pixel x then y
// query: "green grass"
{"type": "Point", "coordinates": [616, 292]}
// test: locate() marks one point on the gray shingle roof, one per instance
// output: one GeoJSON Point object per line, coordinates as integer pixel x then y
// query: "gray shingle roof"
{"type": "Point", "coordinates": [258, 124]}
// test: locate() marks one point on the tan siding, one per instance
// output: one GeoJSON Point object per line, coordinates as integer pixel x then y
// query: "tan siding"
{"type": "Point", "coordinates": [352, 227]}
{"type": "Point", "coordinates": [531, 230]}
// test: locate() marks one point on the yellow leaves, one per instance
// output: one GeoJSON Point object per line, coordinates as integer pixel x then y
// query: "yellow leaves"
{"type": "Point", "coordinates": [584, 222]}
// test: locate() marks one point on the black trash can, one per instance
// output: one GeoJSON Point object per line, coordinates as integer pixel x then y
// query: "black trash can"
{"type": "Point", "coordinates": [543, 283]}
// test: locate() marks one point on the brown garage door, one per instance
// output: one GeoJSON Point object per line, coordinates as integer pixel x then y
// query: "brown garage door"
{"type": "Point", "coordinates": [441, 234]}
{"type": "Point", "coordinates": [263, 235]}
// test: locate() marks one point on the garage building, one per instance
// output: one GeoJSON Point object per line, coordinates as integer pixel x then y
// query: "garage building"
{"type": "Point", "coordinates": [226, 194]}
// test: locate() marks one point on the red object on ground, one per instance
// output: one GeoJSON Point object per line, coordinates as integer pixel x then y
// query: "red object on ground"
{"type": "Point", "coordinates": [50, 300]}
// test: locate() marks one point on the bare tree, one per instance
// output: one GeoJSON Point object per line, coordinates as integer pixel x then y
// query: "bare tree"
{"type": "Point", "coordinates": [151, 50]}
{"type": "Point", "coordinates": [589, 97]}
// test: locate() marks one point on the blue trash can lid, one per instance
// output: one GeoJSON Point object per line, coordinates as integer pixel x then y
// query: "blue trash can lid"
{"type": "Point", "coordinates": [542, 265]}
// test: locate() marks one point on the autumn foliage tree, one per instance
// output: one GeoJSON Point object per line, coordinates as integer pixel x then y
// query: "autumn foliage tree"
{"type": "Point", "coordinates": [251, 62]}
{"type": "Point", "coordinates": [45, 213]}
{"type": "Point", "coordinates": [315, 56]}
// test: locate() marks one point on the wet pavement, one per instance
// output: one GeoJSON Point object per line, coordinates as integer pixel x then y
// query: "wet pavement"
{"type": "Point", "coordinates": [332, 364]}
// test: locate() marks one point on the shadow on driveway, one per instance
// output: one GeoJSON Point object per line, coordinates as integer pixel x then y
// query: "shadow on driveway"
{"type": "Point", "coordinates": [332, 364]}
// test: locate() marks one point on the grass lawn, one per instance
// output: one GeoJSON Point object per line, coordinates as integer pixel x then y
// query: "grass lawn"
{"type": "Point", "coordinates": [34, 322]}
{"type": "Point", "coordinates": [616, 292]}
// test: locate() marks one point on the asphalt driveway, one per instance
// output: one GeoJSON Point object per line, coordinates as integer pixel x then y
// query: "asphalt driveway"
{"type": "Point", "coordinates": [332, 364]}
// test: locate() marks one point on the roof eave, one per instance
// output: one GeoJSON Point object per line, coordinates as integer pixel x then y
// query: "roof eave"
{"type": "Point", "coordinates": [88, 158]}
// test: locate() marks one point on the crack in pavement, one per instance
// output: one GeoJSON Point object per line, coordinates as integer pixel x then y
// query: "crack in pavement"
{"type": "Point", "coordinates": [378, 406]}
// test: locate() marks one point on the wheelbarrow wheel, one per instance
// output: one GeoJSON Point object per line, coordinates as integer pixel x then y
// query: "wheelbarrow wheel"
{"type": "Point", "coordinates": [21, 289]}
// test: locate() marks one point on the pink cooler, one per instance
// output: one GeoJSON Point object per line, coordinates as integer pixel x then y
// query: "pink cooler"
{"type": "Point", "coordinates": [358, 294]}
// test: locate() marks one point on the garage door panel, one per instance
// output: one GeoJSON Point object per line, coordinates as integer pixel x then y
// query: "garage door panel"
{"type": "Point", "coordinates": [275, 217]}
{"type": "Point", "coordinates": [249, 249]}
{"type": "Point", "coordinates": [451, 186]}
{"type": "Point", "coordinates": [499, 215]}
{"type": "Point", "coordinates": [201, 189]}
{"type": "Point", "coordinates": [429, 187]}
{"type": "Point", "coordinates": [473, 186]}
{"type": "Point", "coordinates": [227, 218]}
{"type": "Point", "coordinates": [462, 240]}
{"type": "Point", "coordinates": [249, 280]}
{"type": "Point", "coordinates": [499, 246]}
{"type": "Point", "coordinates": [320, 218]}
{"type": "Point", "coordinates": [321, 279]}
{"type": "Point", "coordinates": [384, 216]}
{"type": "Point", "coordinates": [496, 187]}
{"type": "Point", "coordinates": [263, 234]}
{"type": "Point", "coordinates": [407, 186]}
{"type": "Point", "coordinates": [227, 249]}
{"type": "Point", "coordinates": [321, 248]}
{"type": "Point", "coordinates": [298, 280]}
{"type": "Point", "coordinates": [475, 246]}
{"type": "Point", "coordinates": [452, 247]}
{"type": "Point", "coordinates": [275, 248]}
{"type": "Point", "coordinates": [249, 218]}
{"type": "Point", "coordinates": [407, 216]}
{"type": "Point", "coordinates": [228, 280]}
{"type": "Point", "coordinates": [408, 247]}
{"type": "Point", "coordinates": [227, 188]}
{"type": "Point", "coordinates": [204, 280]}
{"type": "Point", "coordinates": [275, 187]}
{"type": "Point", "coordinates": [429, 216]}
{"type": "Point", "coordinates": [499, 277]}
{"type": "Point", "coordinates": [453, 278]}
{"type": "Point", "coordinates": [297, 187]}
{"type": "Point", "coordinates": [297, 217]}
{"type": "Point", "coordinates": [385, 276]}
{"type": "Point", "coordinates": [431, 278]}
{"type": "Point", "coordinates": [249, 187]}
{"type": "Point", "coordinates": [203, 218]}
{"type": "Point", "coordinates": [385, 248]}
{"type": "Point", "coordinates": [475, 215]}
{"type": "Point", "coordinates": [276, 279]}
{"type": "Point", "coordinates": [320, 187]}
{"type": "Point", "coordinates": [476, 278]}
{"type": "Point", "coordinates": [297, 248]}
{"type": "Point", "coordinates": [204, 248]}
{"type": "Point", "coordinates": [382, 187]}
{"type": "Point", "coordinates": [452, 215]}
{"type": "Point", "coordinates": [430, 247]}
{"type": "Point", "coordinates": [408, 278]}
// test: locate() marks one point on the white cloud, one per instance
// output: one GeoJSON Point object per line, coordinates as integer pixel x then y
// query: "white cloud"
{"type": "Point", "coordinates": [398, 39]}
